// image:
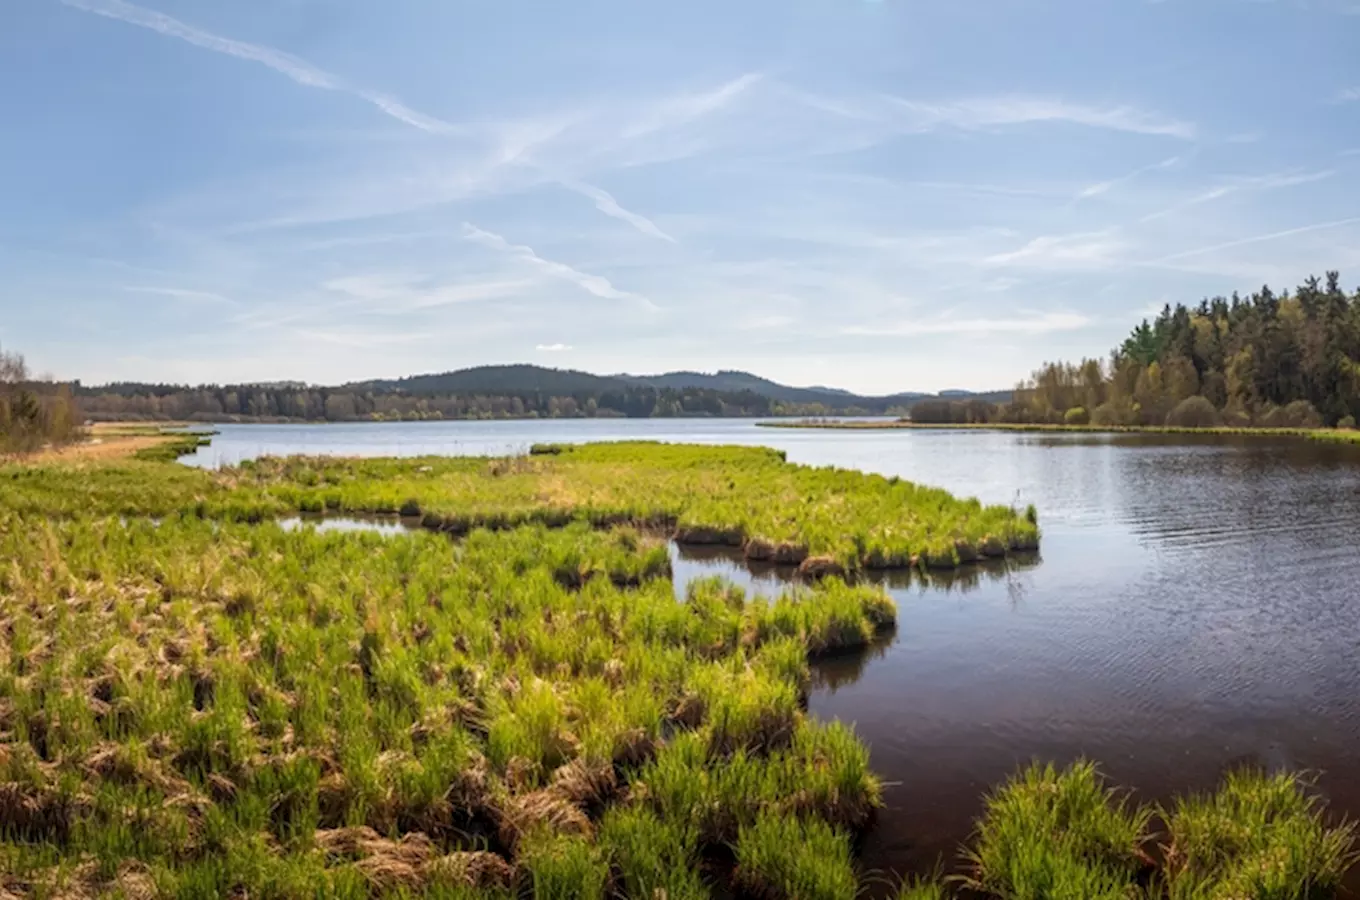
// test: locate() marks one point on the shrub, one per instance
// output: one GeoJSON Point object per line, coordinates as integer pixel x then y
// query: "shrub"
{"type": "Point", "coordinates": [1077, 415]}
{"type": "Point", "coordinates": [1113, 414]}
{"type": "Point", "coordinates": [1299, 414]}
{"type": "Point", "coordinates": [1302, 414]}
{"type": "Point", "coordinates": [1234, 416]}
{"type": "Point", "coordinates": [1194, 412]}
{"type": "Point", "coordinates": [1347, 423]}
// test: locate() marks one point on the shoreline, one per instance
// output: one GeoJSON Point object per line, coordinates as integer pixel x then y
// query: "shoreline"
{"type": "Point", "coordinates": [106, 441]}
{"type": "Point", "coordinates": [1331, 435]}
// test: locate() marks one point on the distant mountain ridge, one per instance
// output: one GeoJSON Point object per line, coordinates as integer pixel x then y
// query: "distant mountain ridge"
{"type": "Point", "coordinates": [497, 392]}
{"type": "Point", "coordinates": [527, 378]}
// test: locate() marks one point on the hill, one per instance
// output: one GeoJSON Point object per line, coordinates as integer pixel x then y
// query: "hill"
{"type": "Point", "coordinates": [525, 378]}
{"type": "Point", "coordinates": [736, 382]}
{"type": "Point", "coordinates": [510, 391]}
{"type": "Point", "coordinates": [514, 379]}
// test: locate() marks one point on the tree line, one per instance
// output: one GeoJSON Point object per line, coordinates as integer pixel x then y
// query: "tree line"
{"type": "Point", "coordinates": [34, 413]}
{"type": "Point", "coordinates": [1268, 360]}
{"type": "Point", "coordinates": [127, 402]}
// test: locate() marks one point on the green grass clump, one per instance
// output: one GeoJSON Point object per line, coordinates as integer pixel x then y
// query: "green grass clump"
{"type": "Point", "coordinates": [1258, 836]}
{"type": "Point", "coordinates": [921, 889]}
{"type": "Point", "coordinates": [1063, 834]}
{"type": "Point", "coordinates": [557, 867]}
{"type": "Point", "coordinates": [783, 858]}
{"type": "Point", "coordinates": [1052, 833]}
{"type": "Point", "coordinates": [652, 857]}
{"type": "Point", "coordinates": [173, 447]}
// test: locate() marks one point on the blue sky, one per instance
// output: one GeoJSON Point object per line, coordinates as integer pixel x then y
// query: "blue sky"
{"type": "Point", "coordinates": [879, 196]}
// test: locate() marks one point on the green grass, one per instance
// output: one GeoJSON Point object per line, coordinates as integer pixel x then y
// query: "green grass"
{"type": "Point", "coordinates": [198, 702]}
{"type": "Point", "coordinates": [829, 520]}
{"type": "Point", "coordinates": [175, 446]}
{"type": "Point", "coordinates": [782, 858]}
{"type": "Point", "coordinates": [1058, 834]}
{"type": "Point", "coordinates": [1258, 836]}
{"type": "Point", "coordinates": [240, 708]}
{"type": "Point", "coordinates": [653, 856]}
{"type": "Point", "coordinates": [1050, 834]}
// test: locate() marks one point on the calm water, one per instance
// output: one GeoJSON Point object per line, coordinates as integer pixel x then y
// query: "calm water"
{"type": "Point", "coordinates": [1197, 606]}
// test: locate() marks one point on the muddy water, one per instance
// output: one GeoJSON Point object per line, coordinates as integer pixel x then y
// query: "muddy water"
{"type": "Point", "coordinates": [1197, 607]}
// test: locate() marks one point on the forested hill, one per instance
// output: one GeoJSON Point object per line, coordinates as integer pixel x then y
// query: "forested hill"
{"type": "Point", "coordinates": [745, 381]}
{"type": "Point", "coordinates": [1266, 360]}
{"type": "Point", "coordinates": [513, 391]}
{"type": "Point", "coordinates": [562, 382]}
{"type": "Point", "coordinates": [496, 380]}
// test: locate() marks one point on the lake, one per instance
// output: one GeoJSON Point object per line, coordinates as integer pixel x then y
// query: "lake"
{"type": "Point", "coordinates": [1196, 607]}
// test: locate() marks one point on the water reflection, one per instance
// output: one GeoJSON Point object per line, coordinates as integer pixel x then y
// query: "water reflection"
{"type": "Point", "coordinates": [690, 562]}
{"type": "Point", "coordinates": [385, 525]}
{"type": "Point", "coordinates": [831, 673]}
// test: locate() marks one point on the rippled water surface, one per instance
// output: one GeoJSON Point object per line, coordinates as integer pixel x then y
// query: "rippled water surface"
{"type": "Point", "coordinates": [1196, 606]}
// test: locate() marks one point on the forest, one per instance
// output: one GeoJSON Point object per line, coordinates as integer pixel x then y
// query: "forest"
{"type": "Point", "coordinates": [1268, 360]}
{"type": "Point", "coordinates": [263, 403]}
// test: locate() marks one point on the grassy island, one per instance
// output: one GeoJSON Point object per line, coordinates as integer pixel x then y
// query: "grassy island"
{"type": "Point", "coordinates": [828, 521]}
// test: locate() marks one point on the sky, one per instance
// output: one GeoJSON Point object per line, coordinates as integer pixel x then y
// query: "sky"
{"type": "Point", "coordinates": [877, 195]}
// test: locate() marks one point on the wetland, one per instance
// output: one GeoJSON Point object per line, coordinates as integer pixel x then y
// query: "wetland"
{"type": "Point", "coordinates": [1189, 614]}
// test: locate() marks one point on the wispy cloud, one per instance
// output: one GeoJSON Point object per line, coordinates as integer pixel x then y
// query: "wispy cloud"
{"type": "Point", "coordinates": [687, 107]}
{"type": "Point", "coordinates": [1036, 324]}
{"type": "Point", "coordinates": [1096, 249]}
{"type": "Point", "coordinates": [186, 294]}
{"type": "Point", "coordinates": [605, 203]}
{"type": "Point", "coordinates": [1249, 183]}
{"type": "Point", "coordinates": [592, 284]}
{"type": "Point", "coordinates": [299, 70]}
{"type": "Point", "coordinates": [1105, 187]}
{"type": "Point", "coordinates": [984, 112]}
{"type": "Point", "coordinates": [398, 294]}
{"type": "Point", "coordinates": [1258, 239]}
{"type": "Point", "coordinates": [1349, 95]}
{"type": "Point", "coordinates": [362, 338]}
{"type": "Point", "coordinates": [553, 348]}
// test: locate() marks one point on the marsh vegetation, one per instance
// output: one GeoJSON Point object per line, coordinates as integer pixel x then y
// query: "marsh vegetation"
{"type": "Point", "coordinates": [196, 701]}
{"type": "Point", "coordinates": [826, 520]}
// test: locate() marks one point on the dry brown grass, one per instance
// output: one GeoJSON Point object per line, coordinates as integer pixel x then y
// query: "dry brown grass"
{"type": "Point", "coordinates": [104, 441]}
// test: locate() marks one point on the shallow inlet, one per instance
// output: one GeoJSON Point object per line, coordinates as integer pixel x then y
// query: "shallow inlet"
{"type": "Point", "coordinates": [1196, 609]}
